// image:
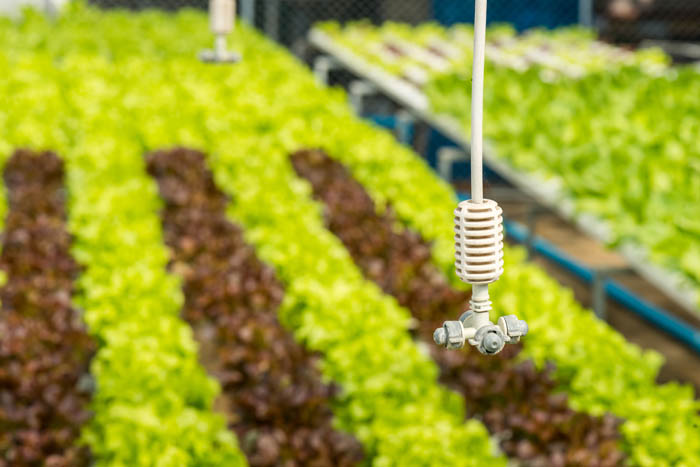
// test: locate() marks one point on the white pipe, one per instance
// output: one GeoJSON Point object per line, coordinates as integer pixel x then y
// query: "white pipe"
{"type": "Point", "coordinates": [478, 101]}
{"type": "Point", "coordinates": [220, 45]}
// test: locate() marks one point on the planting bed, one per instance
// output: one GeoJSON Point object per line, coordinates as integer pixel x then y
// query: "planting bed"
{"type": "Point", "coordinates": [272, 391]}
{"type": "Point", "coordinates": [516, 401]}
{"type": "Point", "coordinates": [416, 53]}
{"type": "Point", "coordinates": [44, 348]}
{"type": "Point", "coordinates": [103, 100]}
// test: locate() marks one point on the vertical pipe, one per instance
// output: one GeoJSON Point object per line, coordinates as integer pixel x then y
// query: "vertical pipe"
{"type": "Point", "coordinates": [599, 295]}
{"type": "Point", "coordinates": [404, 124]}
{"type": "Point", "coordinates": [248, 11]}
{"type": "Point", "coordinates": [272, 19]}
{"type": "Point", "coordinates": [220, 45]}
{"type": "Point", "coordinates": [585, 13]}
{"type": "Point", "coordinates": [478, 101]}
{"type": "Point", "coordinates": [532, 214]}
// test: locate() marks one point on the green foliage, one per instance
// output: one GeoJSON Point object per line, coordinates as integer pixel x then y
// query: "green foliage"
{"type": "Point", "coordinates": [153, 402]}
{"type": "Point", "coordinates": [390, 398]}
{"type": "Point", "coordinates": [113, 98]}
{"type": "Point", "coordinates": [401, 48]}
{"type": "Point", "coordinates": [595, 365]}
{"type": "Point", "coordinates": [601, 136]}
{"type": "Point", "coordinates": [118, 94]}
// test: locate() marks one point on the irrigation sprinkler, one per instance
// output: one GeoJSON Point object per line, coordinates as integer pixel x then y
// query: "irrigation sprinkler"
{"type": "Point", "coordinates": [479, 236]}
{"type": "Point", "coordinates": [222, 14]}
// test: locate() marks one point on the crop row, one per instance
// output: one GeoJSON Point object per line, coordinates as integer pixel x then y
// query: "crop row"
{"type": "Point", "coordinates": [599, 136]}
{"type": "Point", "coordinates": [594, 364]}
{"type": "Point", "coordinates": [516, 401]}
{"type": "Point", "coordinates": [417, 53]}
{"type": "Point", "coordinates": [44, 349]}
{"type": "Point", "coordinates": [599, 370]}
{"type": "Point", "coordinates": [153, 403]}
{"type": "Point", "coordinates": [272, 393]}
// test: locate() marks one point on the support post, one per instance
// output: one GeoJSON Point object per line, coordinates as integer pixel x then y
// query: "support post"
{"type": "Point", "coordinates": [585, 13]}
{"type": "Point", "coordinates": [359, 90]}
{"type": "Point", "coordinates": [446, 157]}
{"type": "Point", "coordinates": [323, 65]}
{"type": "Point", "coordinates": [599, 298]}
{"type": "Point", "coordinates": [272, 19]}
{"type": "Point", "coordinates": [248, 11]}
{"type": "Point", "coordinates": [404, 124]}
{"type": "Point", "coordinates": [533, 213]}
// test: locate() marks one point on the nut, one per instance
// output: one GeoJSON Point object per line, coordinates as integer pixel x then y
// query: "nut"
{"type": "Point", "coordinates": [513, 327]}
{"type": "Point", "coordinates": [450, 335]}
{"type": "Point", "coordinates": [490, 340]}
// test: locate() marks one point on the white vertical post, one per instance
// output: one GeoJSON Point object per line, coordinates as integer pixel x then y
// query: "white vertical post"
{"type": "Point", "coordinates": [404, 123]}
{"type": "Point", "coordinates": [248, 11]}
{"type": "Point", "coordinates": [322, 68]}
{"type": "Point", "coordinates": [585, 13]}
{"type": "Point", "coordinates": [220, 45]}
{"type": "Point", "coordinates": [478, 101]}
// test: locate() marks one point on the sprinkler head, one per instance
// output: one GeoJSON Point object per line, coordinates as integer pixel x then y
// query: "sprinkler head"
{"type": "Point", "coordinates": [513, 327]}
{"type": "Point", "coordinates": [489, 340]}
{"type": "Point", "coordinates": [222, 16]}
{"type": "Point", "coordinates": [450, 335]}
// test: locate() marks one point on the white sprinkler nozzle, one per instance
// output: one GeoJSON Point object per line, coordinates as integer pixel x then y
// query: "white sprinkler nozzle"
{"type": "Point", "coordinates": [222, 15]}
{"type": "Point", "coordinates": [479, 236]}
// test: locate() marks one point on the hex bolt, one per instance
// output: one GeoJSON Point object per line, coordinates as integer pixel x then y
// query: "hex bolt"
{"type": "Point", "coordinates": [440, 337]}
{"type": "Point", "coordinates": [513, 327]}
{"type": "Point", "coordinates": [490, 340]}
{"type": "Point", "coordinates": [450, 335]}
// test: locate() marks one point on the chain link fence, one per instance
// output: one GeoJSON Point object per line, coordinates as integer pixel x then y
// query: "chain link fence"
{"type": "Point", "coordinates": [625, 21]}
{"type": "Point", "coordinates": [637, 20]}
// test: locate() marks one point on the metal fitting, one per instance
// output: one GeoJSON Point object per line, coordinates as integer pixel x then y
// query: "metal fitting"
{"type": "Point", "coordinates": [513, 327]}
{"type": "Point", "coordinates": [489, 340]}
{"type": "Point", "coordinates": [450, 335]}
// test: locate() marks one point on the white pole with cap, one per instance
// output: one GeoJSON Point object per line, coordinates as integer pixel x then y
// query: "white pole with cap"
{"type": "Point", "coordinates": [479, 235]}
{"type": "Point", "coordinates": [222, 16]}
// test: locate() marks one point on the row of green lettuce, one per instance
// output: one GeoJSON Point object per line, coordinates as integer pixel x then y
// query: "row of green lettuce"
{"type": "Point", "coordinates": [622, 142]}
{"type": "Point", "coordinates": [595, 365]}
{"type": "Point", "coordinates": [249, 120]}
{"type": "Point", "coordinates": [429, 48]}
{"type": "Point", "coordinates": [102, 106]}
{"type": "Point", "coordinates": [153, 401]}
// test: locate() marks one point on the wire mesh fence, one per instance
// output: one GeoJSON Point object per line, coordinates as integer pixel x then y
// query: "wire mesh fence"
{"type": "Point", "coordinates": [636, 20]}
{"type": "Point", "coordinates": [629, 21]}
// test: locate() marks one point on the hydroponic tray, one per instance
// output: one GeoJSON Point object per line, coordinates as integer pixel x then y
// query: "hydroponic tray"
{"type": "Point", "coordinates": [548, 191]}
